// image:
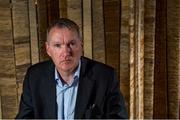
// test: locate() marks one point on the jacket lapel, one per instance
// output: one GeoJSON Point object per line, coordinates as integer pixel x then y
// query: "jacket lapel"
{"type": "Point", "coordinates": [84, 90]}
{"type": "Point", "coordinates": [51, 92]}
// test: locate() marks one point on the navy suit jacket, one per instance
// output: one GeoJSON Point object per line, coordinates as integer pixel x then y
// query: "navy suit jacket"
{"type": "Point", "coordinates": [98, 94]}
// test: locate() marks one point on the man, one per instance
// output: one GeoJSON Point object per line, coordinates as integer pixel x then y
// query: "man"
{"type": "Point", "coordinates": [70, 86]}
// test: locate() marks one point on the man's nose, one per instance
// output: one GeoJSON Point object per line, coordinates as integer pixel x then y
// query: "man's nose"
{"type": "Point", "coordinates": [66, 50]}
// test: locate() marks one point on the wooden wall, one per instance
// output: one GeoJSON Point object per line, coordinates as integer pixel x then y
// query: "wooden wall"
{"type": "Point", "coordinates": [140, 39]}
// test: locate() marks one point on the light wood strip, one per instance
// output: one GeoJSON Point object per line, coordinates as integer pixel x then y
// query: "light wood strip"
{"type": "Point", "coordinates": [98, 43]}
{"type": "Point", "coordinates": [33, 32]}
{"type": "Point", "coordinates": [173, 58]}
{"type": "Point", "coordinates": [140, 57]}
{"type": "Point", "coordinates": [132, 60]}
{"type": "Point", "coordinates": [74, 11]}
{"type": "Point", "coordinates": [87, 29]}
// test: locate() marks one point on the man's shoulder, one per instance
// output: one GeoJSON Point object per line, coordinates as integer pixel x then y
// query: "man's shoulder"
{"type": "Point", "coordinates": [96, 64]}
{"type": "Point", "coordinates": [41, 66]}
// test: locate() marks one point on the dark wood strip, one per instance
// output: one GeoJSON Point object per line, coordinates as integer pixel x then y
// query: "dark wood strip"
{"type": "Point", "coordinates": [42, 17]}
{"type": "Point", "coordinates": [160, 69]}
{"type": "Point", "coordinates": [53, 10]}
{"type": "Point", "coordinates": [63, 8]}
{"type": "Point", "coordinates": [112, 32]}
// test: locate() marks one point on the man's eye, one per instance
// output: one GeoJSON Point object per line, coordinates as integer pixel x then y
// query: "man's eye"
{"type": "Point", "coordinates": [57, 45]}
{"type": "Point", "coordinates": [72, 44]}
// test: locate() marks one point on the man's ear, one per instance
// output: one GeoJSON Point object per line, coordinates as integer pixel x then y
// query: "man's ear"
{"type": "Point", "coordinates": [47, 48]}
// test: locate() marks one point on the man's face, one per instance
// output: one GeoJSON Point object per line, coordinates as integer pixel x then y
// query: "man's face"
{"type": "Point", "coordinates": [65, 48]}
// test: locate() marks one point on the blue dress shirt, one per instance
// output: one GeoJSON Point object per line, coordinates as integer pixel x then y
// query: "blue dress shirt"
{"type": "Point", "coordinates": [66, 95]}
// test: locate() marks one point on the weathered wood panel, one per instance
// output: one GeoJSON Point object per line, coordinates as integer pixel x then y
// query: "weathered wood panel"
{"type": "Point", "coordinates": [124, 51]}
{"type": "Point", "coordinates": [149, 50]}
{"type": "Point", "coordinates": [132, 106]}
{"type": "Point", "coordinates": [53, 10]}
{"type": "Point", "coordinates": [7, 71]}
{"type": "Point", "coordinates": [112, 32]}
{"type": "Point", "coordinates": [9, 101]}
{"type": "Point", "coordinates": [33, 31]}
{"type": "Point", "coordinates": [63, 8]}
{"type": "Point", "coordinates": [42, 21]}
{"type": "Point", "coordinates": [21, 35]}
{"type": "Point", "coordinates": [87, 28]}
{"type": "Point", "coordinates": [173, 58]}
{"type": "Point", "coordinates": [137, 59]}
{"type": "Point", "coordinates": [74, 12]}
{"type": "Point", "coordinates": [160, 68]}
{"type": "Point", "coordinates": [0, 107]}
{"type": "Point", "coordinates": [98, 40]}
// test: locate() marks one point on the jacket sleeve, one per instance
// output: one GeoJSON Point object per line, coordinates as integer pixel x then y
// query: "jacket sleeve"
{"type": "Point", "coordinates": [26, 104]}
{"type": "Point", "coordinates": [115, 101]}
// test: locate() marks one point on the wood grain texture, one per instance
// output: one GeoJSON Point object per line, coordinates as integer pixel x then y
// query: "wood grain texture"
{"type": "Point", "coordinates": [87, 29]}
{"type": "Point", "coordinates": [42, 18]}
{"type": "Point", "coordinates": [149, 50]}
{"type": "Point", "coordinates": [32, 6]}
{"type": "Point", "coordinates": [137, 59]}
{"type": "Point", "coordinates": [98, 39]}
{"type": "Point", "coordinates": [124, 52]}
{"type": "Point", "coordinates": [74, 12]}
{"type": "Point", "coordinates": [53, 10]}
{"type": "Point", "coordinates": [7, 63]}
{"type": "Point", "coordinates": [21, 33]}
{"type": "Point", "coordinates": [173, 58]}
{"type": "Point", "coordinates": [160, 68]}
{"type": "Point", "coordinates": [132, 106]}
{"type": "Point", "coordinates": [9, 101]}
{"type": "Point", "coordinates": [112, 32]}
{"type": "Point", "coordinates": [63, 8]}
{"type": "Point", "coordinates": [0, 107]}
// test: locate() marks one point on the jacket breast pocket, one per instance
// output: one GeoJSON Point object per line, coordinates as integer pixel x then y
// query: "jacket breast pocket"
{"type": "Point", "coordinates": [93, 112]}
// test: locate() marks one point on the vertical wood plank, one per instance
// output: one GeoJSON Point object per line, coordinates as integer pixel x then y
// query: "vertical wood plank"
{"type": "Point", "coordinates": [21, 35]}
{"type": "Point", "coordinates": [0, 107]}
{"type": "Point", "coordinates": [124, 52]}
{"type": "Point", "coordinates": [33, 31]}
{"type": "Point", "coordinates": [53, 10]}
{"type": "Point", "coordinates": [9, 101]}
{"type": "Point", "coordinates": [74, 12]}
{"type": "Point", "coordinates": [173, 58]}
{"type": "Point", "coordinates": [7, 63]}
{"type": "Point", "coordinates": [132, 59]}
{"type": "Point", "coordinates": [136, 59]}
{"type": "Point", "coordinates": [87, 29]}
{"type": "Point", "coordinates": [139, 36]}
{"type": "Point", "coordinates": [42, 17]}
{"type": "Point", "coordinates": [63, 8]}
{"type": "Point", "coordinates": [98, 43]}
{"type": "Point", "coordinates": [112, 32]}
{"type": "Point", "coordinates": [160, 69]}
{"type": "Point", "coordinates": [149, 51]}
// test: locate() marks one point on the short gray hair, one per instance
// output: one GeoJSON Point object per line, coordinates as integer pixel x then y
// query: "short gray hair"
{"type": "Point", "coordinates": [64, 23]}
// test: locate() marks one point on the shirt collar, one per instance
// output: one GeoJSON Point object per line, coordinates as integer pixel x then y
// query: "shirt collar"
{"type": "Point", "coordinates": [75, 76]}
